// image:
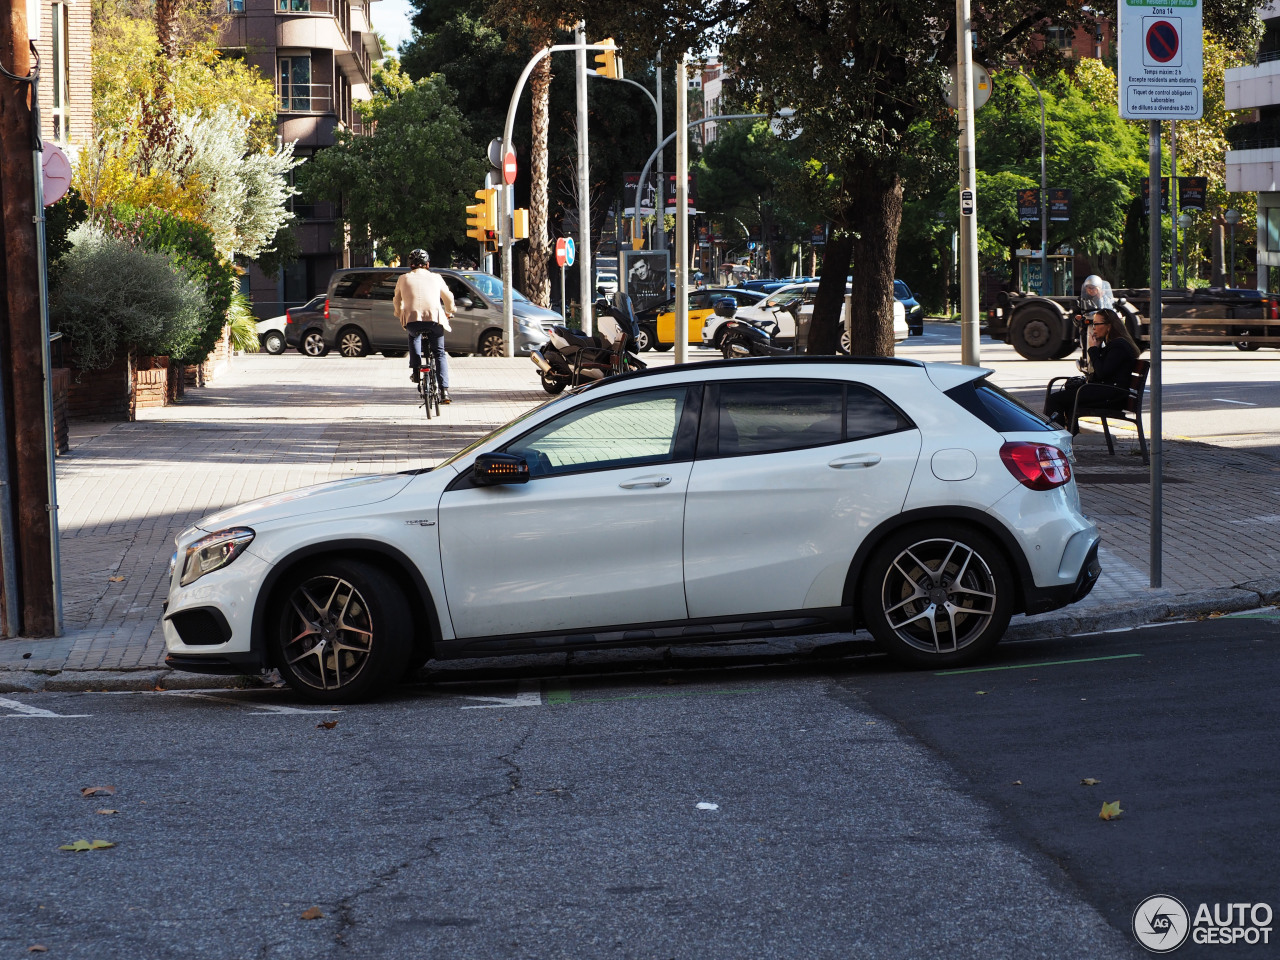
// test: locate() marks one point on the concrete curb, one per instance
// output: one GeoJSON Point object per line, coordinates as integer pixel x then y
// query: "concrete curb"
{"type": "Point", "coordinates": [1161, 607]}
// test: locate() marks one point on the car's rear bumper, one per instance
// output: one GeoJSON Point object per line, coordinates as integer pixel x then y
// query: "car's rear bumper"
{"type": "Point", "coordinates": [1043, 599]}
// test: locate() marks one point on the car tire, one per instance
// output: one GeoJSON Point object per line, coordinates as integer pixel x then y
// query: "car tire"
{"type": "Point", "coordinates": [339, 631]}
{"type": "Point", "coordinates": [846, 343]}
{"type": "Point", "coordinates": [938, 595]}
{"type": "Point", "coordinates": [491, 344]}
{"type": "Point", "coordinates": [312, 344]}
{"type": "Point", "coordinates": [660, 346]}
{"type": "Point", "coordinates": [352, 342]}
{"type": "Point", "coordinates": [1036, 334]}
{"type": "Point", "coordinates": [273, 342]}
{"type": "Point", "coordinates": [644, 338]}
{"type": "Point", "coordinates": [1248, 346]}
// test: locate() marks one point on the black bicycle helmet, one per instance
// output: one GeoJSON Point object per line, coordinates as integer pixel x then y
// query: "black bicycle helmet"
{"type": "Point", "coordinates": [419, 258]}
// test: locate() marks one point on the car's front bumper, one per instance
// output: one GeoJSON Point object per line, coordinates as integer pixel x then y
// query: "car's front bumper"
{"type": "Point", "coordinates": [208, 624]}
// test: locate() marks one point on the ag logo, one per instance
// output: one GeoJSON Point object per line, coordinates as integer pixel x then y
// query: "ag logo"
{"type": "Point", "coordinates": [1161, 924]}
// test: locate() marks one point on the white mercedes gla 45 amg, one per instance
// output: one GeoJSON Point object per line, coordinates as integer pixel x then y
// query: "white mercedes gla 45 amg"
{"type": "Point", "coordinates": [705, 501]}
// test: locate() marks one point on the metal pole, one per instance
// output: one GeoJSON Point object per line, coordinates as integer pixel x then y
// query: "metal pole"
{"type": "Point", "coordinates": [585, 292]}
{"type": "Point", "coordinates": [1046, 288]}
{"type": "Point", "coordinates": [1154, 315]}
{"type": "Point", "coordinates": [1173, 199]}
{"type": "Point", "coordinates": [505, 194]}
{"type": "Point", "coordinates": [564, 307]}
{"type": "Point", "coordinates": [1233, 255]}
{"type": "Point", "coordinates": [682, 210]}
{"type": "Point", "coordinates": [660, 202]}
{"type": "Point", "coordinates": [969, 335]}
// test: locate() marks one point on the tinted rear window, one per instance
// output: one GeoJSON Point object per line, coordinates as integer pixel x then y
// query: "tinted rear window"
{"type": "Point", "coordinates": [366, 286]}
{"type": "Point", "coordinates": [1000, 411]}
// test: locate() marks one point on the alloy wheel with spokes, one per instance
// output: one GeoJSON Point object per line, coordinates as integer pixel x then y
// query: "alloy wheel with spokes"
{"type": "Point", "coordinates": [938, 600]}
{"type": "Point", "coordinates": [352, 343]}
{"type": "Point", "coordinates": [312, 344]}
{"type": "Point", "coordinates": [492, 344]}
{"type": "Point", "coordinates": [341, 632]}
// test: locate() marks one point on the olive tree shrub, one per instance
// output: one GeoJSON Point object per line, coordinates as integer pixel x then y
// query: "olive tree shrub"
{"type": "Point", "coordinates": [112, 296]}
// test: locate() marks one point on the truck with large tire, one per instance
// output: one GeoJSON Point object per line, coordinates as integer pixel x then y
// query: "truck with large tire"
{"type": "Point", "coordinates": [1048, 328]}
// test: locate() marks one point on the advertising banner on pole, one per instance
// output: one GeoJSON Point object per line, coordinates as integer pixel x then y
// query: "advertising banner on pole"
{"type": "Point", "coordinates": [1059, 204]}
{"type": "Point", "coordinates": [1161, 70]}
{"type": "Point", "coordinates": [1191, 191]}
{"type": "Point", "coordinates": [1028, 204]}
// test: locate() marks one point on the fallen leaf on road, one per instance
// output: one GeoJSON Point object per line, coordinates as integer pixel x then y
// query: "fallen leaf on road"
{"type": "Point", "coordinates": [80, 846]}
{"type": "Point", "coordinates": [312, 914]}
{"type": "Point", "coordinates": [37, 948]}
{"type": "Point", "coordinates": [1090, 782]}
{"type": "Point", "coordinates": [326, 725]}
{"type": "Point", "coordinates": [106, 813]}
{"type": "Point", "coordinates": [115, 579]}
{"type": "Point", "coordinates": [982, 693]}
{"type": "Point", "coordinates": [1017, 783]}
{"type": "Point", "coordinates": [1110, 810]}
{"type": "Point", "coordinates": [98, 791]}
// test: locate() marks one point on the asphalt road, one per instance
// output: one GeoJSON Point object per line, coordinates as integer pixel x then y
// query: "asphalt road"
{"type": "Point", "coordinates": [818, 809]}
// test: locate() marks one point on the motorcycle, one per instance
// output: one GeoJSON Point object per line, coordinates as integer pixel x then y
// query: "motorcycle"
{"type": "Point", "coordinates": [572, 358]}
{"type": "Point", "coordinates": [743, 339]}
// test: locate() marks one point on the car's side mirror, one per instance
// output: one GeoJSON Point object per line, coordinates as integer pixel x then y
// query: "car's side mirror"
{"type": "Point", "coordinates": [494, 468]}
{"type": "Point", "coordinates": [466, 303]}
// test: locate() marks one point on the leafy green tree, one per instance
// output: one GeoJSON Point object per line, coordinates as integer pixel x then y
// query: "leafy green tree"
{"type": "Point", "coordinates": [405, 185]}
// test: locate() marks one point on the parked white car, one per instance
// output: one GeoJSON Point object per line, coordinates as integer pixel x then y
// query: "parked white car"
{"type": "Point", "coordinates": [606, 283]}
{"type": "Point", "coordinates": [758, 497]}
{"type": "Point", "coordinates": [770, 308]}
{"type": "Point", "coordinates": [271, 334]}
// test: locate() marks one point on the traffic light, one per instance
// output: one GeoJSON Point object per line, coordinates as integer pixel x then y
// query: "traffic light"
{"type": "Point", "coordinates": [608, 63]}
{"type": "Point", "coordinates": [520, 224]}
{"type": "Point", "coordinates": [482, 218]}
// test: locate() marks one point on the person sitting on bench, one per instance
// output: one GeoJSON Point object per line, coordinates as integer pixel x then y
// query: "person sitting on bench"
{"type": "Point", "coordinates": [1112, 355]}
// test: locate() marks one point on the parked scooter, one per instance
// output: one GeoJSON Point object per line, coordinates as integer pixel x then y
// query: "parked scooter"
{"type": "Point", "coordinates": [571, 358]}
{"type": "Point", "coordinates": [743, 339]}
{"type": "Point", "coordinates": [1095, 295]}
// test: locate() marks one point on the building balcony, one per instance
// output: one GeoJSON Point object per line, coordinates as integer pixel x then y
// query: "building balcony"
{"type": "Point", "coordinates": [1254, 170]}
{"type": "Point", "coordinates": [1254, 86]}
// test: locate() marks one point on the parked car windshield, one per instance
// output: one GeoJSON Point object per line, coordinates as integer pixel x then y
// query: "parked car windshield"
{"type": "Point", "coordinates": [900, 290]}
{"type": "Point", "coordinates": [491, 286]}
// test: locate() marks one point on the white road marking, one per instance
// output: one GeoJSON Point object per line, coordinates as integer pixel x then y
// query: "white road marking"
{"type": "Point", "coordinates": [1243, 403]}
{"type": "Point", "coordinates": [261, 709]}
{"type": "Point", "coordinates": [26, 710]}
{"type": "Point", "coordinates": [528, 694]}
{"type": "Point", "coordinates": [1271, 519]}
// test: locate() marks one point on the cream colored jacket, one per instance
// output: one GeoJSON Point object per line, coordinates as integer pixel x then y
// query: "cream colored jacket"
{"type": "Point", "coordinates": [422, 295]}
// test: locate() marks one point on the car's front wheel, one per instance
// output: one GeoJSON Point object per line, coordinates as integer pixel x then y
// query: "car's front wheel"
{"type": "Point", "coordinates": [340, 631]}
{"type": "Point", "coordinates": [312, 344]}
{"type": "Point", "coordinates": [937, 599]}
{"type": "Point", "coordinates": [644, 338]}
{"type": "Point", "coordinates": [353, 343]}
{"type": "Point", "coordinates": [273, 342]}
{"type": "Point", "coordinates": [492, 344]}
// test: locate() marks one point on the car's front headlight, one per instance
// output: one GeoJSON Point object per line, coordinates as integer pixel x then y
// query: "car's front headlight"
{"type": "Point", "coordinates": [214, 552]}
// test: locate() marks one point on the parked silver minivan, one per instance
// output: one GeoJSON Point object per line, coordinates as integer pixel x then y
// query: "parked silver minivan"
{"type": "Point", "coordinates": [360, 320]}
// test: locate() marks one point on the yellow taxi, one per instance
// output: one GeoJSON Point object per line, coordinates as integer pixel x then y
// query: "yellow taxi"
{"type": "Point", "coordinates": [701, 305]}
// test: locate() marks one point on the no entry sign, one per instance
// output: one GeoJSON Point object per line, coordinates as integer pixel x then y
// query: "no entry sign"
{"type": "Point", "coordinates": [1161, 60]}
{"type": "Point", "coordinates": [564, 252]}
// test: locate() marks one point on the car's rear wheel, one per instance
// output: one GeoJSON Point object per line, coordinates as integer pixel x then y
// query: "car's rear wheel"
{"type": "Point", "coordinates": [273, 342]}
{"type": "Point", "coordinates": [312, 344]}
{"type": "Point", "coordinates": [340, 631]}
{"type": "Point", "coordinates": [491, 344]}
{"type": "Point", "coordinates": [644, 338]}
{"type": "Point", "coordinates": [352, 342]}
{"type": "Point", "coordinates": [1036, 334]}
{"type": "Point", "coordinates": [937, 599]}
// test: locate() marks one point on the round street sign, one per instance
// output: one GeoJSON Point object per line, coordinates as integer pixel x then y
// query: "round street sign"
{"type": "Point", "coordinates": [564, 252]}
{"type": "Point", "coordinates": [509, 167]}
{"type": "Point", "coordinates": [1162, 41]}
{"type": "Point", "coordinates": [56, 169]}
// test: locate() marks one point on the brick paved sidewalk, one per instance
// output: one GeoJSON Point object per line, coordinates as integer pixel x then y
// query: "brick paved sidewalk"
{"type": "Point", "coordinates": [275, 423]}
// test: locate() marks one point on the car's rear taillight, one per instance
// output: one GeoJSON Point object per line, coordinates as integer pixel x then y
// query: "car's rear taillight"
{"type": "Point", "coordinates": [1274, 312]}
{"type": "Point", "coordinates": [326, 308]}
{"type": "Point", "coordinates": [1036, 465]}
{"type": "Point", "coordinates": [288, 318]}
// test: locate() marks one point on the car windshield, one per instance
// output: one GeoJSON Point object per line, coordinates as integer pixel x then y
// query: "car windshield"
{"type": "Point", "coordinates": [491, 286]}
{"type": "Point", "coordinates": [900, 290]}
{"type": "Point", "coordinates": [781, 296]}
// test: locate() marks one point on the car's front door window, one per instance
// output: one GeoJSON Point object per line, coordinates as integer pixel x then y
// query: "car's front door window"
{"type": "Point", "coordinates": [629, 430]}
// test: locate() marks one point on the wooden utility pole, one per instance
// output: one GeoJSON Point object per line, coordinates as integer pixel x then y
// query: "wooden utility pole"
{"type": "Point", "coordinates": [23, 339]}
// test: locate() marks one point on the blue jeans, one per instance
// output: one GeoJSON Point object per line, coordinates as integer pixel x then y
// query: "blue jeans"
{"type": "Point", "coordinates": [434, 335]}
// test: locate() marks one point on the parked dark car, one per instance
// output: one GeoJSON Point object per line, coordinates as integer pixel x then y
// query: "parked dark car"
{"type": "Point", "coordinates": [302, 326]}
{"type": "Point", "coordinates": [915, 313]}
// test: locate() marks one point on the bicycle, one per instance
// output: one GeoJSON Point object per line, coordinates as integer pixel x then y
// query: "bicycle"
{"type": "Point", "coordinates": [428, 386]}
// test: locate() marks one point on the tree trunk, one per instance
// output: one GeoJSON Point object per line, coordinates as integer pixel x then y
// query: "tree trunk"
{"type": "Point", "coordinates": [538, 284]}
{"type": "Point", "coordinates": [870, 240]}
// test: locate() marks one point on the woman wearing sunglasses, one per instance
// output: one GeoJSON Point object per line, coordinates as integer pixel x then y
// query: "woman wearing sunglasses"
{"type": "Point", "coordinates": [1112, 355]}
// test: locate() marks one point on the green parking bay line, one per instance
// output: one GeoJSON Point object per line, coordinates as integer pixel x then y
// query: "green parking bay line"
{"type": "Point", "coordinates": [561, 696]}
{"type": "Point", "coordinates": [1042, 663]}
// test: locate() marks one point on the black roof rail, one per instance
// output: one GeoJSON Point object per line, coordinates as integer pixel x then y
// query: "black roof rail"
{"type": "Point", "coordinates": [804, 360]}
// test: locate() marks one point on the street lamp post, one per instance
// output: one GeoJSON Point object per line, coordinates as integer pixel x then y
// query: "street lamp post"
{"type": "Point", "coordinates": [1184, 221]}
{"type": "Point", "coordinates": [1232, 217]}
{"type": "Point", "coordinates": [657, 109]}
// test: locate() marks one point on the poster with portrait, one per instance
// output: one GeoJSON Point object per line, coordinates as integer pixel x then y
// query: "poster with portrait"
{"type": "Point", "coordinates": [644, 276]}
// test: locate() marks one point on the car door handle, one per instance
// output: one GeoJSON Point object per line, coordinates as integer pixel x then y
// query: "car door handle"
{"type": "Point", "coordinates": [854, 461]}
{"type": "Point", "coordinates": [644, 482]}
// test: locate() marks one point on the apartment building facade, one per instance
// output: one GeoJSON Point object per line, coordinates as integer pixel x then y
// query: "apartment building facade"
{"type": "Point", "coordinates": [1253, 162]}
{"type": "Point", "coordinates": [321, 54]}
{"type": "Point", "coordinates": [62, 32]}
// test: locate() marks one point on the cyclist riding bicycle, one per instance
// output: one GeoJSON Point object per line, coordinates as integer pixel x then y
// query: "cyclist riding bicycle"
{"type": "Point", "coordinates": [423, 305]}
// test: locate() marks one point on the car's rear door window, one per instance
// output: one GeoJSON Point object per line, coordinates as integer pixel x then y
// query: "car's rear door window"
{"type": "Point", "coordinates": [355, 286]}
{"type": "Point", "coordinates": [1000, 411]}
{"type": "Point", "coordinates": [623, 431]}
